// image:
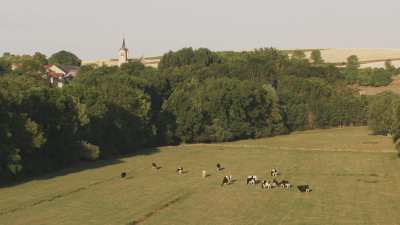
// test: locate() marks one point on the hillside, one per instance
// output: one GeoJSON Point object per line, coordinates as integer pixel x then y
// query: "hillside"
{"type": "Point", "coordinates": [354, 177]}
{"type": "Point", "coordinates": [369, 90]}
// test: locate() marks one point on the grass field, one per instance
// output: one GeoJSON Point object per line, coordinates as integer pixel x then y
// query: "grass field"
{"type": "Point", "coordinates": [355, 179]}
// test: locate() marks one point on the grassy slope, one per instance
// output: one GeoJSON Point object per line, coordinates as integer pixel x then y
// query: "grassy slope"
{"type": "Point", "coordinates": [355, 178]}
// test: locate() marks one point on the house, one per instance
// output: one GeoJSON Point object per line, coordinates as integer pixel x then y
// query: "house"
{"type": "Point", "coordinates": [57, 75]}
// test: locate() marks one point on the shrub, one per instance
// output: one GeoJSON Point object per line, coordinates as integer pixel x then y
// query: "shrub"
{"type": "Point", "coordinates": [90, 152]}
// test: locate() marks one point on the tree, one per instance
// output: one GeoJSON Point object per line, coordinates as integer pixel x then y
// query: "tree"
{"type": "Point", "coordinates": [224, 109]}
{"type": "Point", "coordinates": [66, 58]}
{"type": "Point", "coordinates": [352, 63]}
{"type": "Point", "coordinates": [5, 67]}
{"type": "Point", "coordinates": [389, 66]}
{"type": "Point", "coordinates": [381, 111]}
{"type": "Point", "coordinates": [316, 57]}
{"type": "Point", "coordinates": [298, 54]}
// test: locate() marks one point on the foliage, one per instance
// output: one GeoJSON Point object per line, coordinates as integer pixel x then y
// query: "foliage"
{"type": "Point", "coordinates": [188, 56]}
{"type": "Point", "coordinates": [90, 152]}
{"type": "Point", "coordinates": [316, 56]}
{"type": "Point", "coordinates": [23, 64]}
{"type": "Point", "coordinates": [223, 110]}
{"type": "Point", "coordinates": [352, 63]}
{"type": "Point", "coordinates": [65, 58]}
{"type": "Point", "coordinates": [195, 96]}
{"type": "Point", "coordinates": [381, 112]}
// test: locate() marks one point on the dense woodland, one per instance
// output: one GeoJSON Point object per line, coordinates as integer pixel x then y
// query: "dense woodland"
{"type": "Point", "coordinates": [194, 96]}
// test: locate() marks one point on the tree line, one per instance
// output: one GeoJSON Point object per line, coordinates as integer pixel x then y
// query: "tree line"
{"type": "Point", "coordinates": [194, 96]}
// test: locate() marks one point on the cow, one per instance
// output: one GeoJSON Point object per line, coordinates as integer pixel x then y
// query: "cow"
{"type": "Point", "coordinates": [219, 167]}
{"type": "Point", "coordinates": [274, 172]}
{"type": "Point", "coordinates": [154, 166]}
{"type": "Point", "coordinates": [304, 188]}
{"type": "Point", "coordinates": [283, 183]}
{"type": "Point", "coordinates": [204, 174]}
{"type": "Point", "coordinates": [123, 174]}
{"type": "Point", "coordinates": [251, 179]}
{"type": "Point", "coordinates": [179, 170]}
{"type": "Point", "coordinates": [274, 183]}
{"type": "Point", "coordinates": [226, 180]}
{"type": "Point", "coordinates": [266, 184]}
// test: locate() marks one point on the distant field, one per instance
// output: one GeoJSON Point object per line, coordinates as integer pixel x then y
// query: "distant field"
{"type": "Point", "coordinates": [338, 55]}
{"type": "Point", "coordinates": [355, 179]}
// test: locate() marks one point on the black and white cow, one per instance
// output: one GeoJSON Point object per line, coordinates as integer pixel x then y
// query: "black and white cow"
{"type": "Point", "coordinates": [251, 179]}
{"type": "Point", "coordinates": [226, 180]}
{"type": "Point", "coordinates": [285, 184]}
{"type": "Point", "coordinates": [274, 172]}
{"type": "Point", "coordinates": [179, 170]}
{"type": "Point", "coordinates": [266, 184]}
{"type": "Point", "coordinates": [274, 183]}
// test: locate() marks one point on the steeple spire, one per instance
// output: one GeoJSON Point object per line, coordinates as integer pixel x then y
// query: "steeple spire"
{"type": "Point", "coordinates": [123, 44]}
{"type": "Point", "coordinates": [123, 53]}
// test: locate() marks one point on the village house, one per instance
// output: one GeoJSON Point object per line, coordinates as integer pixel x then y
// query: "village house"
{"type": "Point", "coordinates": [58, 75]}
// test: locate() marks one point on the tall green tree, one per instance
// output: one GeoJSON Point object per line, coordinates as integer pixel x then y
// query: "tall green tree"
{"type": "Point", "coordinates": [381, 112]}
{"type": "Point", "coordinates": [66, 58]}
{"type": "Point", "coordinates": [316, 57]}
{"type": "Point", "coordinates": [352, 63]}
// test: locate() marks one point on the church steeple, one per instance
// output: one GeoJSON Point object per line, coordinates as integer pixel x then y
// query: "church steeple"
{"type": "Point", "coordinates": [123, 54]}
{"type": "Point", "coordinates": [123, 44]}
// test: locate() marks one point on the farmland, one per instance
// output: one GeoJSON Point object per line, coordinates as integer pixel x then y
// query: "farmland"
{"type": "Point", "coordinates": [354, 177]}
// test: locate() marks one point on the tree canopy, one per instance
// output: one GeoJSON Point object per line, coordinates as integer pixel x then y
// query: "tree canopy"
{"type": "Point", "coordinates": [66, 58]}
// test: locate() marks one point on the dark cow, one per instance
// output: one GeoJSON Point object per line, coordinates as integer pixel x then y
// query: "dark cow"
{"type": "Point", "coordinates": [123, 174]}
{"type": "Point", "coordinates": [154, 166]}
{"type": "Point", "coordinates": [304, 188]}
{"type": "Point", "coordinates": [219, 167]}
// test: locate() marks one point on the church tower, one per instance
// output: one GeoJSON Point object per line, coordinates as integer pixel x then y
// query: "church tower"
{"type": "Point", "coordinates": [122, 54]}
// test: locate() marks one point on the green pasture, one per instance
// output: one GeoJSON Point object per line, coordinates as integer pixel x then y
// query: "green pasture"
{"type": "Point", "coordinates": [355, 179]}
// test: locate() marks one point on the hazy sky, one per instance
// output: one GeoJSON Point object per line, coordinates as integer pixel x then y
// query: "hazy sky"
{"type": "Point", "coordinates": [93, 29]}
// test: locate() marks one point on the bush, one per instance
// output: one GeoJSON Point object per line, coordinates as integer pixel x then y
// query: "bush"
{"type": "Point", "coordinates": [90, 152]}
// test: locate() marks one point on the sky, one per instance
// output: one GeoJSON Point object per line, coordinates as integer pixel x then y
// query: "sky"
{"type": "Point", "coordinates": [93, 29]}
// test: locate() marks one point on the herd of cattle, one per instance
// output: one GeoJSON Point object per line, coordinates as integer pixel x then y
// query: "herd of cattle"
{"type": "Point", "coordinates": [250, 180]}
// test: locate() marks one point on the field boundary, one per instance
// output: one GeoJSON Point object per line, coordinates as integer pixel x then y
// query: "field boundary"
{"type": "Point", "coordinates": [288, 148]}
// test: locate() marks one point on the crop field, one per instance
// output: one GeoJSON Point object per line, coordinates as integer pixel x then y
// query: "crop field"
{"type": "Point", "coordinates": [338, 55]}
{"type": "Point", "coordinates": [355, 179]}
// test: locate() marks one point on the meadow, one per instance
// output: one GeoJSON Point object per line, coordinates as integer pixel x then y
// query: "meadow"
{"type": "Point", "coordinates": [354, 176]}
